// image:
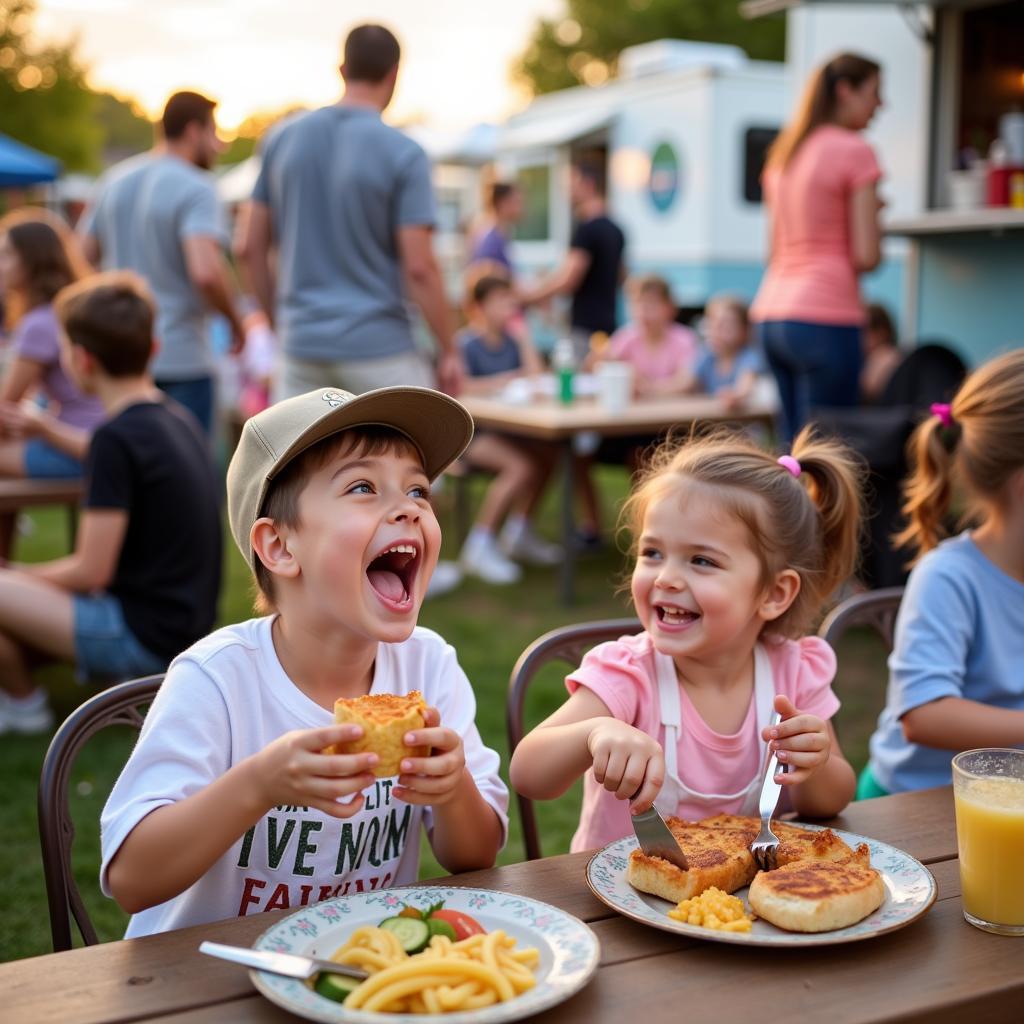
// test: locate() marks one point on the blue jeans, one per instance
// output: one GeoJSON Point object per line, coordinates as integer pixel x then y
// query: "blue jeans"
{"type": "Point", "coordinates": [196, 395]}
{"type": "Point", "coordinates": [814, 365]}
{"type": "Point", "coordinates": [104, 645]}
{"type": "Point", "coordinates": [43, 462]}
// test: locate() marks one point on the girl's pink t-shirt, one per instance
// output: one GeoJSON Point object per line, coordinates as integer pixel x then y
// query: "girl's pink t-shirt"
{"type": "Point", "coordinates": [622, 673]}
{"type": "Point", "coordinates": [811, 276]}
{"type": "Point", "coordinates": [677, 351]}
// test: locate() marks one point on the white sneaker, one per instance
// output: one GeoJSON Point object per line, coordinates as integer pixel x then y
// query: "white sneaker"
{"type": "Point", "coordinates": [29, 716]}
{"type": "Point", "coordinates": [481, 557]}
{"type": "Point", "coordinates": [522, 544]}
{"type": "Point", "coordinates": [447, 576]}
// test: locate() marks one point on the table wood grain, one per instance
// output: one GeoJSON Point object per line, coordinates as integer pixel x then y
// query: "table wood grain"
{"type": "Point", "coordinates": [938, 969]}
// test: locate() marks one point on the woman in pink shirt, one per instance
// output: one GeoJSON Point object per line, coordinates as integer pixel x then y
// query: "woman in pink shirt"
{"type": "Point", "coordinates": [735, 553]}
{"type": "Point", "coordinates": [820, 186]}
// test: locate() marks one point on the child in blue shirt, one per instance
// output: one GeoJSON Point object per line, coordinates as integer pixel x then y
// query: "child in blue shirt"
{"type": "Point", "coordinates": [955, 678]}
{"type": "Point", "coordinates": [729, 366]}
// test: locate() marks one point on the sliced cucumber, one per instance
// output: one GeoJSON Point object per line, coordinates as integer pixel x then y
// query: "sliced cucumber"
{"type": "Point", "coordinates": [438, 926]}
{"type": "Point", "coordinates": [412, 934]}
{"type": "Point", "coordinates": [334, 986]}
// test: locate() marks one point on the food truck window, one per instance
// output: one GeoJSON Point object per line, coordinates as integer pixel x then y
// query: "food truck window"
{"type": "Point", "coordinates": [991, 74]}
{"type": "Point", "coordinates": [756, 142]}
{"type": "Point", "coordinates": [535, 183]}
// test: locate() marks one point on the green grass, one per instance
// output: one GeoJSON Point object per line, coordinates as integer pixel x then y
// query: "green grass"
{"type": "Point", "coordinates": [488, 626]}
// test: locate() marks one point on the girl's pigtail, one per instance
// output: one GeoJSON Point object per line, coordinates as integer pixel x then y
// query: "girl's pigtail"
{"type": "Point", "coordinates": [834, 478]}
{"type": "Point", "coordinates": [928, 490]}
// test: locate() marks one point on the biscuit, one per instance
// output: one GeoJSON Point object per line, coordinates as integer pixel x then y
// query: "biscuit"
{"type": "Point", "coordinates": [817, 896]}
{"type": "Point", "coordinates": [385, 719]}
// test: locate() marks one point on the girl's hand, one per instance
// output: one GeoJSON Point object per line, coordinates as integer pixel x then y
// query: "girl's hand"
{"type": "Point", "coordinates": [294, 770]}
{"type": "Point", "coordinates": [433, 779]}
{"type": "Point", "coordinates": [800, 741]}
{"type": "Point", "coordinates": [627, 762]}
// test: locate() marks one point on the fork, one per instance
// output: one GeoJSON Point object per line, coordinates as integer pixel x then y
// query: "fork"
{"type": "Point", "coordinates": [765, 847]}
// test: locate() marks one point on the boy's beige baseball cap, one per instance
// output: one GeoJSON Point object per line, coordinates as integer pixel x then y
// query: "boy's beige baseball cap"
{"type": "Point", "coordinates": [437, 425]}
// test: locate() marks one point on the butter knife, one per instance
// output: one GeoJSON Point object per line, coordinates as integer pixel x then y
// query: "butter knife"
{"type": "Point", "coordinates": [656, 840]}
{"type": "Point", "coordinates": [288, 964]}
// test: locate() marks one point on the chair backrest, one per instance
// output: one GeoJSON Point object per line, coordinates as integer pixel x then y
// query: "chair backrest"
{"type": "Point", "coordinates": [876, 608]}
{"type": "Point", "coordinates": [119, 705]}
{"type": "Point", "coordinates": [568, 644]}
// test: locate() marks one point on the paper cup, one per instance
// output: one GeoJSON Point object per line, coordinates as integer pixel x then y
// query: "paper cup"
{"type": "Point", "coordinates": [614, 386]}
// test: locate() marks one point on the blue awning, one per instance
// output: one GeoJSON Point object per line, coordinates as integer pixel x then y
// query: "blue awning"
{"type": "Point", "coordinates": [21, 165]}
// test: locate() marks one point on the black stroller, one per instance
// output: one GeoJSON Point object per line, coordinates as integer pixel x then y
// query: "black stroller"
{"type": "Point", "coordinates": [929, 373]}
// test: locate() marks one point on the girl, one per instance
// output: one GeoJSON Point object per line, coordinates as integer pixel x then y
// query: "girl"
{"type": "Point", "coordinates": [736, 551]}
{"type": "Point", "coordinates": [820, 186]}
{"type": "Point", "coordinates": [38, 257]}
{"type": "Point", "coordinates": [729, 367]}
{"type": "Point", "coordinates": [661, 351]}
{"type": "Point", "coordinates": [955, 679]}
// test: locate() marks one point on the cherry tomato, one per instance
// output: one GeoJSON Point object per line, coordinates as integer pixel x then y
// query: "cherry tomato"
{"type": "Point", "coordinates": [463, 924]}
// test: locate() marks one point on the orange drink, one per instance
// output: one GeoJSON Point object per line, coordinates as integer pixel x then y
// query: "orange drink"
{"type": "Point", "coordinates": [988, 790]}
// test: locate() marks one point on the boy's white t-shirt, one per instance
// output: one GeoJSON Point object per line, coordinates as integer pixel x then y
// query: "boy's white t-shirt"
{"type": "Point", "coordinates": [226, 698]}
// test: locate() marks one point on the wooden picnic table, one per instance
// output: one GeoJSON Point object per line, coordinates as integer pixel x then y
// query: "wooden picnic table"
{"type": "Point", "coordinates": [16, 494]}
{"type": "Point", "coordinates": [938, 969]}
{"type": "Point", "coordinates": [551, 421]}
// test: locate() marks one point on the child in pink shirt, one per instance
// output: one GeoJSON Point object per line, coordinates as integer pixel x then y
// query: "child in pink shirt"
{"type": "Point", "coordinates": [661, 351]}
{"type": "Point", "coordinates": [736, 552]}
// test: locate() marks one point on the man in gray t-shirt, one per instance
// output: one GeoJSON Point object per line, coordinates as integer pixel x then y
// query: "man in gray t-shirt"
{"type": "Point", "coordinates": [347, 203]}
{"type": "Point", "coordinates": [158, 214]}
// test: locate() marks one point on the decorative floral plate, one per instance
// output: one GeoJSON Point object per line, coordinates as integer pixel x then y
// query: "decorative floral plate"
{"type": "Point", "coordinates": [909, 892]}
{"type": "Point", "coordinates": [569, 950]}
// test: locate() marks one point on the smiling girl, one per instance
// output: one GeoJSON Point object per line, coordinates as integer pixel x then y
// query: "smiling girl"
{"type": "Point", "coordinates": [736, 552]}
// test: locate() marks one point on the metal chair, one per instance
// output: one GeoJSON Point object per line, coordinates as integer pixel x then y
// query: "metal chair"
{"type": "Point", "coordinates": [568, 644]}
{"type": "Point", "coordinates": [876, 608]}
{"type": "Point", "coordinates": [120, 705]}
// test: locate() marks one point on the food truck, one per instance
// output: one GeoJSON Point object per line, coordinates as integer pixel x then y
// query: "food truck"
{"type": "Point", "coordinates": [951, 141]}
{"type": "Point", "coordinates": [682, 132]}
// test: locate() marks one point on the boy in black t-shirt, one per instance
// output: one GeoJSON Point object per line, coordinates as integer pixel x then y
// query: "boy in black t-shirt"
{"type": "Point", "coordinates": [142, 582]}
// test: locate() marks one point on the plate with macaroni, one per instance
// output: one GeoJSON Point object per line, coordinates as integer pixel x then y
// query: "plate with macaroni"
{"type": "Point", "coordinates": [721, 917]}
{"type": "Point", "coordinates": [433, 953]}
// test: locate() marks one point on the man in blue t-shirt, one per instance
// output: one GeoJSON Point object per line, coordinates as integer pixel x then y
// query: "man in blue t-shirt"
{"type": "Point", "coordinates": [158, 215]}
{"type": "Point", "coordinates": [347, 203]}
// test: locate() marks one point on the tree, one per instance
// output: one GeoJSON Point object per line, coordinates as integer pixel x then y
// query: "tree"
{"type": "Point", "coordinates": [582, 48]}
{"type": "Point", "coordinates": [126, 129]}
{"type": "Point", "coordinates": [44, 99]}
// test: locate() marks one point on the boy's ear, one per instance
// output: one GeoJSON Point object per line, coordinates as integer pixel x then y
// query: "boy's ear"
{"type": "Point", "coordinates": [779, 594]}
{"type": "Point", "coordinates": [270, 545]}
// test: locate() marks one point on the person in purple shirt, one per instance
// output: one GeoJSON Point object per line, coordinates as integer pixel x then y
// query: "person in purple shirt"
{"type": "Point", "coordinates": [491, 244]}
{"type": "Point", "coordinates": [38, 257]}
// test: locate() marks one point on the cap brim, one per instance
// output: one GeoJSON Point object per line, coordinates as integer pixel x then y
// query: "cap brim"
{"type": "Point", "coordinates": [438, 426]}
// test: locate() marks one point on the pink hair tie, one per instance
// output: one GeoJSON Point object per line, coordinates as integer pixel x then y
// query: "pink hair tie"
{"type": "Point", "coordinates": [789, 463]}
{"type": "Point", "coordinates": [944, 412]}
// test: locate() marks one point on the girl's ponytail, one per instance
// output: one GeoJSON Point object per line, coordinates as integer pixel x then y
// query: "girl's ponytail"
{"type": "Point", "coordinates": [834, 483]}
{"type": "Point", "coordinates": [929, 488]}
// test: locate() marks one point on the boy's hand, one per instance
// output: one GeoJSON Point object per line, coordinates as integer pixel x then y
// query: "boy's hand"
{"type": "Point", "coordinates": [627, 762]}
{"type": "Point", "coordinates": [433, 779]}
{"type": "Point", "coordinates": [292, 770]}
{"type": "Point", "coordinates": [801, 741]}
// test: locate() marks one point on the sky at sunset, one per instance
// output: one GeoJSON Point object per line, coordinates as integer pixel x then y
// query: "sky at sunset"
{"type": "Point", "coordinates": [258, 55]}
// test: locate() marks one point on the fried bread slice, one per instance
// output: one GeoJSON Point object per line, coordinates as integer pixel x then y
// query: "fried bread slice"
{"type": "Point", "coordinates": [795, 843]}
{"type": "Point", "coordinates": [385, 719]}
{"type": "Point", "coordinates": [718, 856]}
{"type": "Point", "coordinates": [817, 896]}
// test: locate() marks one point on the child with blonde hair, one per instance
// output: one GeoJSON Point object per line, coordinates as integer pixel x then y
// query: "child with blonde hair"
{"type": "Point", "coordinates": [735, 553]}
{"type": "Point", "coordinates": [955, 679]}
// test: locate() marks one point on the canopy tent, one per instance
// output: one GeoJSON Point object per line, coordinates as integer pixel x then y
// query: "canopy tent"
{"type": "Point", "coordinates": [21, 165]}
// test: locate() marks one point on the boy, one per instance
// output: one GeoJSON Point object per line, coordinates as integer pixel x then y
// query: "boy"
{"type": "Point", "coordinates": [142, 582]}
{"type": "Point", "coordinates": [495, 353]}
{"type": "Point", "coordinates": [328, 500]}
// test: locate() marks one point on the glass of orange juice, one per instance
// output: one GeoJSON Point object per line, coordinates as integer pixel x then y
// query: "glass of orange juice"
{"type": "Point", "coordinates": [988, 791]}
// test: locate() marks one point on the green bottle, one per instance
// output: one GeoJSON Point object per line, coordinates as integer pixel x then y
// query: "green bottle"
{"type": "Point", "coordinates": [563, 360]}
